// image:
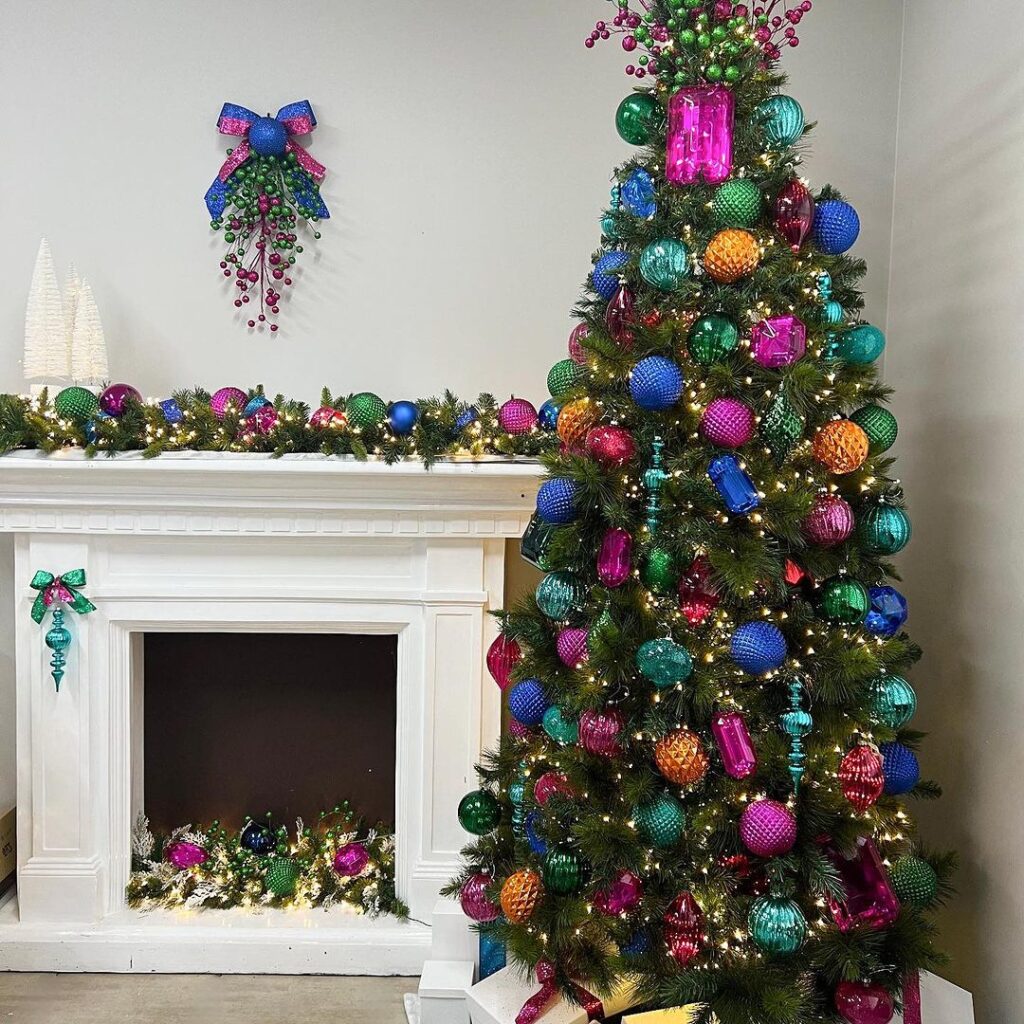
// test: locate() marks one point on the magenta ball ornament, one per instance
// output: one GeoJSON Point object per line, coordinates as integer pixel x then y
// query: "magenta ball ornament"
{"type": "Point", "coordinates": [476, 904]}
{"type": "Point", "coordinates": [325, 417]}
{"type": "Point", "coordinates": [859, 1002]}
{"type": "Point", "coordinates": [263, 420]}
{"type": "Point", "coordinates": [184, 855]}
{"type": "Point", "coordinates": [829, 522]}
{"type": "Point", "coordinates": [600, 731]}
{"type": "Point", "coordinates": [351, 859]}
{"type": "Point", "coordinates": [221, 399]}
{"type": "Point", "coordinates": [768, 828]}
{"type": "Point", "coordinates": [549, 785]}
{"type": "Point", "coordinates": [517, 416]}
{"type": "Point", "coordinates": [572, 647]}
{"type": "Point", "coordinates": [115, 398]}
{"type": "Point", "coordinates": [728, 423]}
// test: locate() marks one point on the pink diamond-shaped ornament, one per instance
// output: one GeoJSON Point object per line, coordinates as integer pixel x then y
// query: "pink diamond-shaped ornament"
{"type": "Point", "coordinates": [700, 123]}
{"type": "Point", "coordinates": [778, 341]}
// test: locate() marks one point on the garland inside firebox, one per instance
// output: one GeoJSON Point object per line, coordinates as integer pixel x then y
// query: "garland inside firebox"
{"type": "Point", "coordinates": [340, 860]}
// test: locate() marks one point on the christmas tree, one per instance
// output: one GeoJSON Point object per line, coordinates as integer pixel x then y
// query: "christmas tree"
{"type": "Point", "coordinates": [707, 779]}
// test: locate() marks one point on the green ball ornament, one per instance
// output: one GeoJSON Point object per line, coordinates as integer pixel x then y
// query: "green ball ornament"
{"type": "Point", "coordinates": [712, 338]}
{"type": "Point", "coordinates": [564, 872]}
{"type": "Point", "coordinates": [665, 264]}
{"type": "Point", "coordinates": [914, 881]}
{"type": "Point", "coordinates": [563, 378]}
{"type": "Point", "coordinates": [737, 204]}
{"type": "Point", "coordinates": [777, 925]}
{"type": "Point", "coordinates": [664, 662]}
{"type": "Point", "coordinates": [638, 117]}
{"type": "Point", "coordinates": [659, 571]}
{"type": "Point", "coordinates": [879, 424]}
{"type": "Point", "coordinates": [844, 600]}
{"type": "Point", "coordinates": [660, 821]}
{"type": "Point", "coordinates": [479, 812]}
{"type": "Point", "coordinates": [561, 594]}
{"type": "Point", "coordinates": [281, 876]}
{"type": "Point", "coordinates": [883, 530]}
{"type": "Point", "coordinates": [561, 729]}
{"type": "Point", "coordinates": [76, 403]}
{"type": "Point", "coordinates": [366, 410]}
{"type": "Point", "coordinates": [893, 701]}
{"type": "Point", "coordinates": [781, 119]}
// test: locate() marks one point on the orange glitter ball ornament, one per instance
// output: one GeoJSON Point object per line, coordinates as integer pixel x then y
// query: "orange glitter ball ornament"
{"type": "Point", "coordinates": [520, 895]}
{"type": "Point", "coordinates": [730, 255]}
{"type": "Point", "coordinates": [680, 757]}
{"type": "Point", "coordinates": [575, 421]}
{"type": "Point", "coordinates": [841, 446]}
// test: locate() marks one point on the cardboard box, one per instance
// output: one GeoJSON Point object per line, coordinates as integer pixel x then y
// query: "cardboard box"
{"type": "Point", "coordinates": [8, 849]}
{"type": "Point", "coordinates": [677, 1015]}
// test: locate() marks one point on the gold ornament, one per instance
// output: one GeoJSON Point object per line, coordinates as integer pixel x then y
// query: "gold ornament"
{"type": "Point", "coordinates": [575, 421]}
{"type": "Point", "coordinates": [841, 446]}
{"type": "Point", "coordinates": [730, 255]}
{"type": "Point", "coordinates": [680, 757]}
{"type": "Point", "coordinates": [520, 894]}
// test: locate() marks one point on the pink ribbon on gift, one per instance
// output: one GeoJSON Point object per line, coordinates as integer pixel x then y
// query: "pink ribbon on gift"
{"type": "Point", "coordinates": [538, 1003]}
{"type": "Point", "coordinates": [912, 998]}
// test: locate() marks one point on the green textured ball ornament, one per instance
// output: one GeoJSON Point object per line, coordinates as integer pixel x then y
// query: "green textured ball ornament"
{"type": "Point", "coordinates": [76, 403]}
{"type": "Point", "coordinates": [561, 594]}
{"type": "Point", "coordinates": [664, 662]}
{"type": "Point", "coordinates": [781, 428]}
{"type": "Point", "coordinates": [844, 600]}
{"type": "Point", "coordinates": [659, 571]}
{"type": "Point", "coordinates": [560, 727]}
{"type": "Point", "coordinates": [883, 529]}
{"type": "Point", "coordinates": [737, 204]}
{"type": "Point", "coordinates": [366, 410]}
{"type": "Point", "coordinates": [880, 425]}
{"type": "Point", "coordinates": [660, 821]}
{"type": "Point", "coordinates": [564, 377]}
{"type": "Point", "coordinates": [281, 876]}
{"type": "Point", "coordinates": [893, 701]}
{"type": "Point", "coordinates": [564, 872]}
{"type": "Point", "coordinates": [479, 812]}
{"type": "Point", "coordinates": [914, 881]}
{"type": "Point", "coordinates": [638, 117]}
{"type": "Point", "coordinates": [712, 338]}
{"type": "Point", "coordinates": [777, 925]}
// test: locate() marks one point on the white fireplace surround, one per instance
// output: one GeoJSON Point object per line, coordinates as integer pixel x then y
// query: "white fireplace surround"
{"type": "Point", "coordinates": [243, 543]}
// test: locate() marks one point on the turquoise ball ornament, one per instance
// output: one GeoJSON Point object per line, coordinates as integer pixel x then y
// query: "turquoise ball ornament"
{"type": "Point", "coordinates": [860, 345]}
{"type": "Point", "coordinates": [660, 821]}
{"type": "Point", "coordinates": [561, 595]}
{"type": "Point", "coordinates": [777, 925]}
{"type": "Point", "coordinates": [479, 812]}
{"type": "Point", "coordinates": [664, 662]}
{"type": "Point", "coordinates": [561, 729]}
{"type": "Point", "coordinates": [893, 701]}
{"type": "Point", "coordinates": [638, 117]}
{"type": "Point", "coordinates": [781, 119]}
{"type": "Point", "coordinates": [665, 264]}
{"type": "Point", "coordinates": [883, 529]}
{"type": "Point", "coordinates": [267, 136]}
{"type": "Point", "coordinates": [402, 417]}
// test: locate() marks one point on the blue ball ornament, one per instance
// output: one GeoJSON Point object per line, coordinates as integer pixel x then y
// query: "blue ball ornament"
{"type": "Point", "coordinates": [606, 277]}
{"type": "Point", "coordinates": [781, 119]}
{"type": "Point", "coordinates": [836, 226]}
{"type": "Point", "coordinates": [758, 647]}
{"type": "Point", "coordinates": [547, 416]}
{"type": "Point", "coordinates": [267, 136]}
{"type": "Point", "coordinates": [638, 944]}
{"type": "Point", "coordinates": [656, 383]}
{"type": "Point", "coordinates": [527, 702]}
{"type": "Point", "coordinates": [888, 611]}
{"type": "Point", "coordinates": [556, 501]}
{"type": "Point", "coordinates": [258, 837]}
{"type": "Point", "coordinates": [637, 194]}
{"type": "Point", "coordinates": [536, 843]}
{"type": "Point", "coordinates": [862, 344]}
{"type": "Point", "coordinates": [402, 417]}
{"type": "Point", "coordinates": [900, 767]}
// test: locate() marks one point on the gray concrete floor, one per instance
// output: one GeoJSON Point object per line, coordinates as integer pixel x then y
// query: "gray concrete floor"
{"type": "Point", "coordinates": [200, 999]}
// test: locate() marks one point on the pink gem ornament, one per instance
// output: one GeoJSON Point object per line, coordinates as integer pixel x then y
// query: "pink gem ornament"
{"type": "Point", "coordinates": [621, 897]}
{"type": "Point", "coordinates": [599, 732]}
{"type": "Point", "coordinates": [351, 860]}
{"type": "Point", "coordinates": [734, 746]}
{"type": "Point", "coordinates": [700, 124]}
{"type": "Point", "coordinates": [728, 423]}
{"type": "Point", "coordinates": [225, 397]}
{"type": "Point", "coordinates": [474, 900]}
{"type": "Point", "coordinates": [184, 855]}
{"type": "Point", "coordinates": [576, 351]}
{"type": "Point", "coordinates": [614, 560]}
{"type": "Point", "coordinates": [829, 522]}
{"type": "Point", "coordinates": [778, 341]}
{"type": "Point", "coordinates": [768, 828]}
{"type": "Point", "coordinates": [114, 398]}
{"type": "Point", "coordinates": [572, 647]}
{"type": "Point", "coordinates": [869, 899]}
{"type": "Point", "coordinates": [517, 416]}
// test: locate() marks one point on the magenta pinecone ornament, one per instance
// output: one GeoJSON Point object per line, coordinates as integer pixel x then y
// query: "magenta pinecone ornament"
{"type": "Point", "coordinates": [351, 859]}
{"type": "Point", "coordinates": [621, 897]}
{"type": "Point", "coordinates": [184, 855]}
{"type": "Point", "coordinates": [768, 828]}
{"type": "Point", "coordinates": [474, 900]}
{"type": "Point", "coordinates": [728, 423]}
{"type": "Point", "coordinates": [517, 416]}
{"type": "Point", "coordinates": [599, 732]}
{"type": "Point", "coordinates": [829, 522]}
{"type": "Point", "coordinates": [114, 398]}
{"type": "Point", "coordinates": [572, 647]}
{"type": "Point", "coordinates": [576, 351]}
{"type": "Point", "coordinates": [778, 341]}
{"type": "Point", "coordinates": [227, 396]}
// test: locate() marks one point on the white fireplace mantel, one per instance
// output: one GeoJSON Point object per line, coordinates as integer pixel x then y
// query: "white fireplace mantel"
{"type": "Point", "coordinates": [219, 543]}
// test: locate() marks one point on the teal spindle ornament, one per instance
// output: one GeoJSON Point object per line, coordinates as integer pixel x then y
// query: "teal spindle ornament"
{"type": "Point", "coordinates": [653, 479]}
{"type": "Point", "coordinates": [58, 639]}
{"type": "Point", "coordinates": [56, 592]}
{"type": "Point", "coordinates": [796, 723]}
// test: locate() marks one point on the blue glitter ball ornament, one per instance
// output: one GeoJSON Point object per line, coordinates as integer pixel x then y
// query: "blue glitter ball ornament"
{"type": "Point", "coordinates": [733, 484]}
{"type": "Point", "coordinates": [883, 529]}
{"type": "Point", "coordinates": [258, 837]}
{"type": "Point", "coordinates": [556, 501]}
{"type": "Point", "coordinates": [253, 405]}
{"type": "Point", "coordinates": [781, 119]}
{"type": "Point", "coordinates": [758, 647]}
{"type": "Point", "coordinates": [606, 277]}
{"type": "Point", "coordinates": [267, 136]}
{"type": "Point", "coordinates": [91, 433]}
{"type": "Point", "coordinates": [665, 264]}
{"type": "Point", "coordinates": [466, 418]}
{"type": "Point", "coordinates": [900, 767]}
{"type": "Point", "coordinates": [862, 344]}
{"type": "Point", "coordinates": [547, 416]}
{"type": "Point", "coordinates": [836, 226]}
{"type": "Point", "coordinates": [171, 410]}
{"type": "Point", "coordinates": [893, 701]}
{"type": "Point", "coordinates": [777, 925]}
{"type": "Point", "coordinates": [527, 702]}
{"type": "Point", "coordinates": [492, 955]}
{"type": "Point", "coordinates": [637, 194]}
{"type": "Point", "coordinates": [537, 844]}
{"type": "Point", "coordinates": [402, 417]}
{"type": "Point", "coordinates": [887, 613]}
{"type": "Point", "coordinates": [638, 944]}
{"type": "Point", "coordinates": [656, 383]}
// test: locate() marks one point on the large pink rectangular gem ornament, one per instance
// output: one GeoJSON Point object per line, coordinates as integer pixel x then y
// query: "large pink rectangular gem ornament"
{"type": "Point", "coordinates": [869, 896]}
{"type": "Point", "coordinates": [700, 121]}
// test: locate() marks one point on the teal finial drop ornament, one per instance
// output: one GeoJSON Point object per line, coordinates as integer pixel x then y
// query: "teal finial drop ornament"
{"type": "Point", "coordinates": [796, 724]}
{"type": "Point", "coordinates": [653, 480]}
{"type": "Point", "coordinates": [58, 593]}
{"type": "Point", "coordinates": [58, 639]}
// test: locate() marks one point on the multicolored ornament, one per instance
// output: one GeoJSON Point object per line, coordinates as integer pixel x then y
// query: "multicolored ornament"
{"type": "Point", "coordinates": [893, 701]}
{"type": "Point", "coordinates": [615, 558]}
{"type": "Point", "coordinates": [600, 732]}
{"type": "Point", "coordinates": [883, 529]}
{"type": "Point", "coordinates": [861, 1002]}
{"type": "Point", "coordinates": [76, 403]}
{"type": "Point", "coordinates": [900, 767]}
{"type": "Point", "coordinates": [620, 317]}
{"type": "Point", "coordinates": [698, 597]}
{"type": "Point", "coordinates": [366, 410]}
{"type": "Point", "coordinates": [712, 338]}
{"type": "Point", "coordinates": [402, 417]}
{"type": "Point", "coordinates": [556, 500]}
{"type": "Point", "coordinates": [869, 899]}
{"type": "Point", "coordinates": [665, 264]}
{"type": "Point", "coordinates": [796, 723]}
{"type": "Point", "coordinates": [571, 645]}
{"type": "Point", "coordinates": [475, 902]}
{"type": "Point", "coordinates": [781, 120]}
{"type": "Point", "coordinates": [656, 383]}
{"type": "Point", "coordinates": [664, 662]}
{"type": "Point", "coordinates": [564, 872]}
{"type": "Point", "coordinates": [793, 213]}
{"type": "Point", "coordinates": [781, 427]}
{"type": "Point", "coordinates": [612, 447]}
{"type": "Point", "coordinates": [733, 484]}
{"type": "Point", "coordinates": [281, 877]}
{"type": "Point", "coordinates": [861, 344]}
{"type": "Point", "coordinates": [561, 729]}
{"type": "Point", "coordinates": [684, 928]}
{"type": "Point", "coordinates": [681, 758]}
{"type": "Point", "coordinates": [843, 600]}
{"type": "Point", "coordinates": [768, 828]}
{"type": "Point", "coordinates": [830, 521]}
{"type": "Point", "coordinates": [880, 426]}
{"type": "Point", "coordinates": [623, 896]}
{"type": "Point", "coordinates": [836, 226]}
{"type": "Point", "coordinates": [777, 925]}
{"type": "Point", "coordinates": [861, 777]}
{"type": "Point", "coordinates": [520, 895]}
{"type": "Point", "coordinates": [258, 837]}
{"type": "Point", "coordinates": [737, 204]}
{"type": "Point", "coordinates": [637, 118]}
{"type": "Point", "coordinates": [575, 421]}
{"type": "Point", "coordinates": [914, 881]}
{"type": "Point", "coordinates": [732, 738]}
{"type": "Point", "coordinates": [778, 341]}
{"type": "Point", "coordinates": [841, 446]}
{"type": "Point", "coordinates": [517, 416]}
{"type": "Point", "coordinates": [527, 702]}
{"type": "Point", "coordinates": [700, 135]}
{"type": "Point", "coordinates": [605, 276]}
{"type": "Point", "coordinates": [731, 254]}
{"type": "Point", "coordinates": [184, 855]}
{"type": "Point", "coordinates": [479, 812]}
{"type": "Point", "coordinates": [115, 398]}
{"type": "Point", "coordinates": [888, 611]}
{"type": "Point", "coordinates": [502, 657]}
{"type": "Point", "coordinates": [728, 422]}
{"type": "Point", "coordinates": [56, 592]}
{"type": "Point", "coordinates": [660, 821]}
{"type": "Point", "coordinates": [638, 194]}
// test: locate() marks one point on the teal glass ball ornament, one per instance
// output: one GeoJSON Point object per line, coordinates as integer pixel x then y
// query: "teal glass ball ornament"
{"type": "Point", "coordinates": [781, 120]}
{"type": "Point", "coordinates": [664, 662]}
{"type": "Point", "coordinates": [883, 529]}
{"type": "Point", "coordinates": [76, 403]}
{"type": "Point", "coordinates": [914, 881]}
{"type": "Point", "coordinates": [860, 345]}
{"type": "Point", "coordinates": [609, 227]}
{"type": "Point", "coordinates": [879, 424]}
{"type": "Point", "coordinates": [660, 821]}
{"type": "Point", "coordinates": [479, 812]}
{"type": "Point", "coordinates": [893, 701]}
{"type": "Point", "coordinates": [665, 264]}
{"type": "Point", "coordinates": [844, 600]}
{"type": "Point", "coordinates": [777, 925]}
{"type": "Point", "coordinates": [832, 313]}
{"type": "Point", "coordinates": [57, 637]}
{"type": "Point", "coordinates": [561, 594]}
{"type": "Point", "coordinates": [564, 872]}
{"type": "Point", "coordinates": [638, 117]}
{"type": "Point", "coordinates": [561, 728]}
